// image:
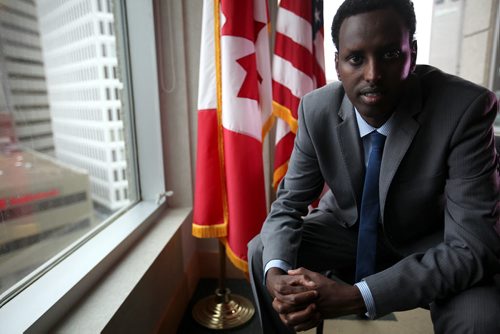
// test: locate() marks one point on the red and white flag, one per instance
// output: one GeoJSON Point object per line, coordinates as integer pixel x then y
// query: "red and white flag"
{"type": "Point", "coordinates": [298, 68]}
{"type": "Point", "coordinates": [234, 115]}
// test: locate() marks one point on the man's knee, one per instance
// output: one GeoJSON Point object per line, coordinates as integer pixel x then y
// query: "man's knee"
{"type": "Point", "coordinates": [473, 311]}
{"type": "Point", "coordinates": [255, 246]}
{"type": "Point", "coordinates": [255, 249]}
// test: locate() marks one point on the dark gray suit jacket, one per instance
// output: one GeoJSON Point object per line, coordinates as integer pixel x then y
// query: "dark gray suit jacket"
{"type": "Point", "coordinates": [439, 187]}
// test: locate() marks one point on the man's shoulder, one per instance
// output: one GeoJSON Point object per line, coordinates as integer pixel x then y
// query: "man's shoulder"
{"type": "Point", "coordinates": [329, 94]}
{"type": "Point", "coordinates": [434, 80]}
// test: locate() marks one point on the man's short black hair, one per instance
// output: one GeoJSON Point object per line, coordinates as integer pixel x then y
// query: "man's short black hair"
{"type": "Point", "coordinates": [354, 7]}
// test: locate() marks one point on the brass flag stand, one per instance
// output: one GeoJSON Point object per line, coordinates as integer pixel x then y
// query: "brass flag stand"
{"type": "Point", "coordinates": [223, 310]}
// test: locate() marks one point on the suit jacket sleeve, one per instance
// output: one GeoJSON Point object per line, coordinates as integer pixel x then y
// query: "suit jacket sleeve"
{"type": "Point", "coordinates": [470, 248]}
{"type": "Point", "coordinates": [281, 233]}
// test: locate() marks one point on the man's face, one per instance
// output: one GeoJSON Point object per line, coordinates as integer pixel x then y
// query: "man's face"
{"type": "Point", "coordinates": [374, 60]}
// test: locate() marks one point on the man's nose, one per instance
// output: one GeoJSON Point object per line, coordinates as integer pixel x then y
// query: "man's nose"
{"type": "Point", "coordinates": [373, 71]}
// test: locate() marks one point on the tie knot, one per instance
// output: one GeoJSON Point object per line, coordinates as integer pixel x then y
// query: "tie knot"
{"type": "Point", "coordinates": [377, 140]}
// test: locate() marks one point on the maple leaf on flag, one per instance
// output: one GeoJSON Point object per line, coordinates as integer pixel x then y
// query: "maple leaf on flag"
{"type": "Point", "coordinates": [235, 26]}
{"type": "Point", "coordinates": [250, 86]}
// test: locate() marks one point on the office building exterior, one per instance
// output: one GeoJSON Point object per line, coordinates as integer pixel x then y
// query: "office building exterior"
{"type": "Point", "coordinates": [79, 49]}
{"type": "Point", "coordinates": [23, 89]}
{"type": "Point", "coordinates": [44, 207]}
{"type": "Point", "coordinates": [465, 40]}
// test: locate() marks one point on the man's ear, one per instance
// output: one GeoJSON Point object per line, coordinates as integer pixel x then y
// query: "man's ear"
{"type": "Point", "coordinates": [337, 65]}
{"type": "Point", "coordinates": [414, 48]}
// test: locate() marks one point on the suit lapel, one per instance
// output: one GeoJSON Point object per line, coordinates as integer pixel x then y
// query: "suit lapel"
{"type": "Point", "coordinates": [400, 138]}
{"type": "Point", "coordinates": [351, 147]}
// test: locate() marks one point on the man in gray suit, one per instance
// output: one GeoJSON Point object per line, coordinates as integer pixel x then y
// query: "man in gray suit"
{"type": "Point", "coordinates": [436, 208]}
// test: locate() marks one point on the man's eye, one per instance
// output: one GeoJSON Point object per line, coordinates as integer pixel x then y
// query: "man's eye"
{"type": "Point", "coordinates": [393, 54]}
{"type": "Point", "coordinates": [355, 60]}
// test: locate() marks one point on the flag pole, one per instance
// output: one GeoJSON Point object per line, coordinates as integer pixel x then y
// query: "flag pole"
{"type": "Point", "coordinates": [223, 310]}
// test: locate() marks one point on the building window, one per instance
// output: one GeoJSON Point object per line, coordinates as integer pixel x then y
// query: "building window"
{"type": "Point", "coordinates": [72, 196]}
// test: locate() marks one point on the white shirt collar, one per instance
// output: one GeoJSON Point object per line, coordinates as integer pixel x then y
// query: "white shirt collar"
{"type": "Point", "coordinates": [365, 128]}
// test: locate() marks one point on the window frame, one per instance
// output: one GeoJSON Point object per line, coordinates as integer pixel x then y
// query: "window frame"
{"type": "Point", "coordinates": [40, 304]}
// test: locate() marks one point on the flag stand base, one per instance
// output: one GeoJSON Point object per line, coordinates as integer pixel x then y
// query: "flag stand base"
{"type": "Point", "coordinates": [223, 310]}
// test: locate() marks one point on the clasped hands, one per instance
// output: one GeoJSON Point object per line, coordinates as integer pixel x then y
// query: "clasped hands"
{"type": "Point", "coordinates": [303, 298]}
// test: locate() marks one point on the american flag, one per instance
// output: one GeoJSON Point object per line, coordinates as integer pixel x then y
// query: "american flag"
{"type": "Point", "coordinates": [298, 68]}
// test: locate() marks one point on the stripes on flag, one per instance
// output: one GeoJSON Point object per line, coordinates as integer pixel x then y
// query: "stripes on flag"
{"type": "Point", "coordinates": [298, 68]}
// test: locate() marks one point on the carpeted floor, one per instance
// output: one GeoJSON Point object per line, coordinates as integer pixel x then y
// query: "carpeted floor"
{"type": "Point", "coordinates": [410, 322]}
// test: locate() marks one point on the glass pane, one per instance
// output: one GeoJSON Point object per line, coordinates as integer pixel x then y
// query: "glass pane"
{"type": "Point", "coordinates": [64, 128]}
{"type": "Point", "coordinates": [464, 42]}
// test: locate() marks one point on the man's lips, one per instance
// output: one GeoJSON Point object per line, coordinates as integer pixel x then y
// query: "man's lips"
{"type": "Point", "coordinates": [371, 95]}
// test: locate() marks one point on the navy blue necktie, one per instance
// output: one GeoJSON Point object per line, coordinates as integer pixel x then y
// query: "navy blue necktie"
{"type": "Point", "coordinates": [370, 210]}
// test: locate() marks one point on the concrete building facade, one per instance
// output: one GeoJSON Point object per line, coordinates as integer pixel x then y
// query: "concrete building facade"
{"type": "Point", "coordinates": [23, 88]}
{"type": "Point", "coordinates": [79, 49]}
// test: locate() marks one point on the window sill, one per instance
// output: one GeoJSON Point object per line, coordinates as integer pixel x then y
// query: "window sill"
{"type": "Point", "coordinates": [43, 303]}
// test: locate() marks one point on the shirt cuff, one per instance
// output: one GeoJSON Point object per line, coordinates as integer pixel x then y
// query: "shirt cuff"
{"type": "Point", "coordinates": [283, 265]}
{"type": "Point", "coordinates": [368, 299]}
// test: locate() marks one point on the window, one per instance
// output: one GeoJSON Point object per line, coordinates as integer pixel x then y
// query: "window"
{"type": "Point", "coordinates": [61, 135]}
{"type": "Point", "coordinates": [79, 268]}
{"type": "Point", "coordinates": [51, 144]}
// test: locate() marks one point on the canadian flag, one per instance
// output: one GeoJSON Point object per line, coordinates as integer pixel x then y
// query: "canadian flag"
{"type": "Point", "coordinates": [234, 115]}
